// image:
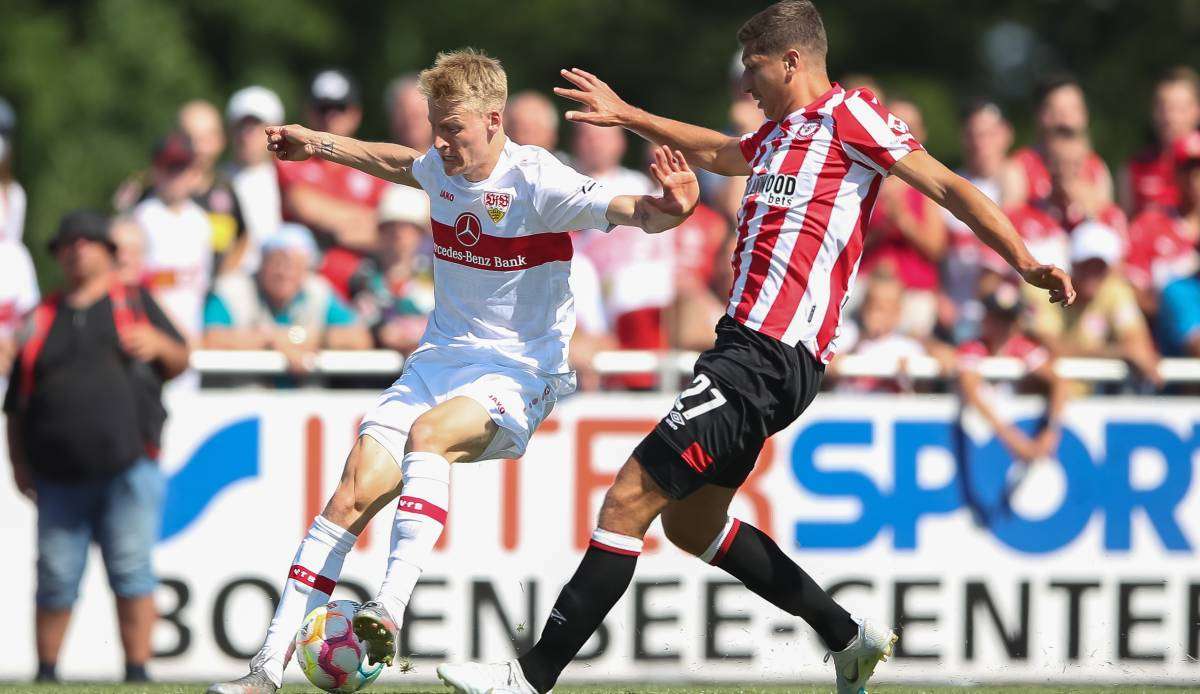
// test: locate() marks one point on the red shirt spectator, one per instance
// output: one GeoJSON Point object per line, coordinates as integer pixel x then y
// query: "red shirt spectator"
{"type": "Point", "coordinates": [1149, 177]}
{"type": "Point", "coordinates": [699, 242]}
{"type": "Point", "coordinates": [1032, 163]}
{"type": "Point", "coordinates": [891, 247]}
{"type": "Point", "coordinates": [1162, 248]}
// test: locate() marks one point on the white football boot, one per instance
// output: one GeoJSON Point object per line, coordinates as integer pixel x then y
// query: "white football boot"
{"type": "Point", "coordinates": [486, 678]}
{"type": "Point", "coordinates": [855, 663]}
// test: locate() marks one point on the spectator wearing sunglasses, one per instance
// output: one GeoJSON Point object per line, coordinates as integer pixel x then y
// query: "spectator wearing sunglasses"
{"type": "Point", "coordinates": [336, 202]}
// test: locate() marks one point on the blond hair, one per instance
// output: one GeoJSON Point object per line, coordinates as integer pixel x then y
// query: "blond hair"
{"type": "Point", "coordinates": [468, 78]}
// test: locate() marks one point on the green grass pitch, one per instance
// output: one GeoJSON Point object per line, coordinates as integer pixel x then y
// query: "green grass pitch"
{"type": "Point", "coordinates": [598, 689]}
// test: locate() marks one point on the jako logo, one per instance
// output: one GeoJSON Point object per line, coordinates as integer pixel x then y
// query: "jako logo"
{"type": "Point", "coordinates": [1103, 485]}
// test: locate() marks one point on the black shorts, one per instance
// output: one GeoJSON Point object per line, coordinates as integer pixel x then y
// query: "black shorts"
{"type": "Point", "coordinates": [747, 387]}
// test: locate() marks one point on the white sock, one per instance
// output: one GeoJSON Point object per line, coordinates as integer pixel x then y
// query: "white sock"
{"type": "Point", "coordinates": [420, 518]}
{"type": "Point", "coordinates": [310, 581]}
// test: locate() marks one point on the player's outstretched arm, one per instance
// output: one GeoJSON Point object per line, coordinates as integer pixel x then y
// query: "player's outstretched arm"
{"type": "Point", "coordinates": [984, 217]}
{"type": "Point", "coordinates": [707, 149]}
{"type": "Point", "coordinates": [680, 193]}
{"type": "Point", "coordinates": [384, 160]}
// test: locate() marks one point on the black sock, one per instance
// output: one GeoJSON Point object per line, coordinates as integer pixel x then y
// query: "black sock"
{"type": "Point", "coordinates": [597, 585]}
{"type": "Point", "coordinates": [136, 673]}
{"type": "Point", "coordinates": [47, 672]}
{"type": "Point", "coordinates": [750, 556]}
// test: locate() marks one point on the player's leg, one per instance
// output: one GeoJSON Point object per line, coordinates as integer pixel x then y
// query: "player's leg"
{"type": "Point", "coordinates": [457, 430]}
{"type": "Point", "coordinates": [370, 479]}
{"type": "Point", "coordinates": [700, 525]}
{"type": "Point", "coordinates": [632, 503]}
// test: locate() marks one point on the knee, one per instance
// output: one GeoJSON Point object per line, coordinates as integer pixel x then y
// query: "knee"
{"type": "Point", "coordinates": [426, 435]}
{"type": "Point", "coordinates": [58, 577]}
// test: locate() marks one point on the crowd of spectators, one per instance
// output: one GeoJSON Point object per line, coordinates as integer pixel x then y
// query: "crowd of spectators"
{"type": "Point", "coordinates": [246, 252]}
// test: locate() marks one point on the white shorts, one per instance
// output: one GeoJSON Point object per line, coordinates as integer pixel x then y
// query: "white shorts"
{"type": "Point", "coordinates": [517, 400]}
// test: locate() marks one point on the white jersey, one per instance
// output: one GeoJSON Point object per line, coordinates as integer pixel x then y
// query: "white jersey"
{"type": "Point", "coordinates": [502, 259]}
{"type": "Point", "coordinates": [178, 260]}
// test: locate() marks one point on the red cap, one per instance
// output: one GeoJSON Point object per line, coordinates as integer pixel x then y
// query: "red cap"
{"type": "Point", "coordinates": [174, 152]}
{"type": "Point", "coordinates": [1186, 149]}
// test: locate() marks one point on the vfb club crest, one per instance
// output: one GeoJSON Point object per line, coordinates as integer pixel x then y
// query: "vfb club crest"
{"type": "Point", "coordinates": [497, 205]}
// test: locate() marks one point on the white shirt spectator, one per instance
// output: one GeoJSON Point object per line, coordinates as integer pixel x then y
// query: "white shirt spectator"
{"type": "Point", "coordinates": [178, 260]}
{"type": "Point", "coordinates": [18, 292]}
{"type": "Point", "coordinates": [257, 190]}
{"type": "Point", "coordinates": [12, 211]}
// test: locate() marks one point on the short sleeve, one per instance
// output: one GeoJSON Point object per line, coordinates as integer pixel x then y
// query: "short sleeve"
{"type": "Point", "coordinates": [870, 134]}
{"type": "Point", "coordinates": [216, 313]}
{"type": "Point", "coordinates": [566, 200]}
{"type": "Point", "coordinates": [339, 315]}
{"type": "Point", "coordinates": [750, 142]}
{"type": "Point", "coordinates": [422, 169]}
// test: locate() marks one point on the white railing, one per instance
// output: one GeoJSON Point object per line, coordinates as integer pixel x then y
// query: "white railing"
{"type": "Point", "coordinates": [672, 364]}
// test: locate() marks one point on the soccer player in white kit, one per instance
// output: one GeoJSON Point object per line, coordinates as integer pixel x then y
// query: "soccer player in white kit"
{"type": "Point", "coordinates": [493, 360]}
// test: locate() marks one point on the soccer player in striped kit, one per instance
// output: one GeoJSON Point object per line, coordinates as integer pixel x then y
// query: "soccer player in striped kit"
{"type": "Point", "coordinates": [492, 361]}
{"type": "Point", "coordinates": [815, 168]}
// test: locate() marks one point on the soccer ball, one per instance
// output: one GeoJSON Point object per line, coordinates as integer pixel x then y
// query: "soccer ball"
{"type": "Point", "coordinates": [328, 652]}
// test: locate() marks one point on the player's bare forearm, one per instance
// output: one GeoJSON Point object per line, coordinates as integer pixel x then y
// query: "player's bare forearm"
{"type": "Point", "coordinates": [680, 194]}
{"type": "Point", "coordinates": [703, 147]}
{"type": "Point", "coordinates": [385, 160]}
{"type": "Point", "coordinates": [984, 218]}
{"type": "Point", "coordinates": [641, 211]}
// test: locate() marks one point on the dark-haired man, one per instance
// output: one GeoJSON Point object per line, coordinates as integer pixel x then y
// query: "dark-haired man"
{"type": "Point", "coordinates": [815, 168]}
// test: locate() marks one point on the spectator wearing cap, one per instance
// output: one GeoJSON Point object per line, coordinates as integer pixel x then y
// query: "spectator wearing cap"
{"type": "Point", "coordinates": [393, 288]}
{"type": "Point", "coordinates": [1061, 107]}
{"type": "Point", "coordinates": [408, 114]}
{"type": "Point", "coordinates": [285, 306]}
{"type": "Point", "coordinates": [201, 122]}
{"type": "Point", "coordinates": [337, 203]}
{"type": "Point", "coordinates": [252, 170]}
{"type": "Point", "coordinates": [1162, 239]}
{"type": "Point", "coordinates": [12, 195]}
{"type": "Point", "coordinates": [1148, 178]}
{"type": "Point", "coordinates": [907, 236]}
{"type": "Point", "coordinates": [179, 254]}
{"type": "Point", "coordinates": [1179, 312]}
{"type": "Point", "coordinates": [986, 139]}
{"type": "Point", "coordinates": [85, 414]}
{"type": "Point", "coordinates": [531, 119]}
{"type": "Point", "coordinates": [1000, 335]}
{"type": "Point", "coordinates": [1105, 320]}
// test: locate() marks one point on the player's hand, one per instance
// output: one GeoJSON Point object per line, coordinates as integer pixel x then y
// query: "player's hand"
{"type": "Point", "coordinates": [292, 142]}
{"type": "Point", "coordinates": [142, 342]}
{"type": "Point", "coordinates": [680, 189]}
{"type": "Point", "coordinates": [601, 103]}
{"type": "Point", "coordinates": [1053, 279]}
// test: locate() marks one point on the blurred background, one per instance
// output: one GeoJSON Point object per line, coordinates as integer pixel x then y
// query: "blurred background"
{"type": "Point", "coordinates": [1054, 449]}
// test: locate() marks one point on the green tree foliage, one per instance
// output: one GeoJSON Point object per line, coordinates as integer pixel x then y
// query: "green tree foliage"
{"type": "Point", "coordinates": [96, 82]}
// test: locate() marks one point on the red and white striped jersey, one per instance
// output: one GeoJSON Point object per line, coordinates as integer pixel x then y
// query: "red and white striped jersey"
{"type": "Point", "coordinates": [814, 178]}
